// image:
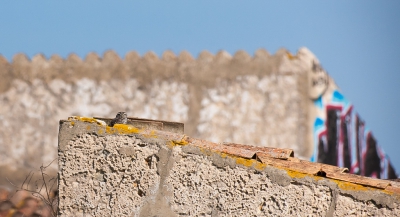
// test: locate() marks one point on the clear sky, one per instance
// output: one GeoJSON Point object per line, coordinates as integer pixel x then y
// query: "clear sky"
{"type": "Point", "coordinates": [357, 42]}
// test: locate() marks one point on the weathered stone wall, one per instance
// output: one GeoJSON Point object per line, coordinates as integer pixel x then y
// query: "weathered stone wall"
{"type": "Point", "coordinates": [257, 100]}
{"type": "Point", "coordinates": [114, 172]}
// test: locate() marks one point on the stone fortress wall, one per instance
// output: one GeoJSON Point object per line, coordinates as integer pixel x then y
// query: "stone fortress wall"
{"type": "Point", "coordinates": [258, 100]}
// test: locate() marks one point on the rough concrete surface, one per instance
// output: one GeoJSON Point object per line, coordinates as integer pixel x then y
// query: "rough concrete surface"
{"type": "Point", "coordinates": [115, 173]}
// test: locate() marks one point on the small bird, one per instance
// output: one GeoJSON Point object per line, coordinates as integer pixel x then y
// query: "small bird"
{"type": "Point", "coordinates": [120, 118]}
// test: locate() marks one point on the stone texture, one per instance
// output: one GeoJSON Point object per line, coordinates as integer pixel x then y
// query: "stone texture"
{"type": "Point", "coordinates": [347, 206]}
{"type": "Point", "coordinates": [111, 174]}
{"type": "Point", "coordinates": [100, 179]}
{"type": "Point", "coordinates": [240, 111]}
{"type": "Point", "coordinates": [239, 192]}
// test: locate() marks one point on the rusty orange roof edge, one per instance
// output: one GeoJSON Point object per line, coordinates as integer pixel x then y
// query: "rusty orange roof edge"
{"type": "Point", "coordinates": [276, 157]}
{"type": "Point", "coordinates": [283, 158]}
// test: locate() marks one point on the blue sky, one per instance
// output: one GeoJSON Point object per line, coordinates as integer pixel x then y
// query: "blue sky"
{"type": "Point", "coordinates": [357, 42]}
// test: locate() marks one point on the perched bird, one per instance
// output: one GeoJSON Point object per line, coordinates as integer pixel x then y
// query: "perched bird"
{"type": "Point", "coordinates": [121, 118]}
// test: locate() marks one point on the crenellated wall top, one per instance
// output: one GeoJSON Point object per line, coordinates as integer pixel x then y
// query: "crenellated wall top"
{"type": "Point", "coordinates": [184, 67]}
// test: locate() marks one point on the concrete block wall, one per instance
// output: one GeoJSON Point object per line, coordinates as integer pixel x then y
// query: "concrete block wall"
{"type": "Point", "coordinates": [125, 171]}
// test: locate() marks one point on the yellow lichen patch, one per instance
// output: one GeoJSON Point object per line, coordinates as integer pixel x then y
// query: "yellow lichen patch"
{"type": "Point", "coordinates": [341, 184]}
{"type": "Point", "coordinates": [152, 134]}
{"type": "Point", "coordinates": [245, 162]}
{"type": "Point", "coordinates": [223, 155]}
{"type": "Point", "coordinates": [239, 160]}
{"type": "Point", "coordinates": [122, 129]}
{"type": "Point", "coordinates": [181, 142]}
{"type": "Point", "coordinates": [390, 193]}
{"type": "Point", "coordinates": [260, 166]}
{"type": "Point", "coordinates": [351, 186]}
{"type": "Point", "coordinates": [171, 145]}
{"type": "Point", "coordinates": [110, 130]}
{"type": "Point", "coordinates": [300, 175]}
{"type": "Point", "coordinates": [249, 162]}
{"type": "Point", "coordinates": [86, 119]}
{"type": "Point", "coordinates": [72, 123]}
{"type": "Point", "coordinates": [295, 174]}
